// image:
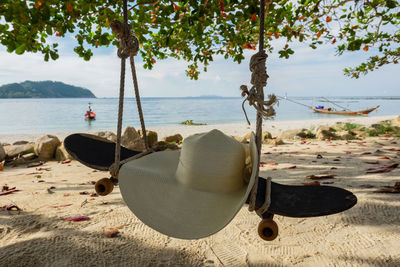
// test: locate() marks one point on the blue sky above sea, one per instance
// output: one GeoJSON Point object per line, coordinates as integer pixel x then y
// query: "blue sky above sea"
{"type": "Point", "coordinates": [307, 73]}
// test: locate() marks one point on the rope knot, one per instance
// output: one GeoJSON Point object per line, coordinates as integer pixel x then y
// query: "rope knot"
{"type": "Point", "coordinates": [128, 43]}
{"type": "Point", "coordinates": [265, 108]}
{"type": "Point", "coordinates": [259, 78]}
{"type": "Point", "coordinates": [114, 170]}
{"type": "Point", "coordinates": [258, 68]}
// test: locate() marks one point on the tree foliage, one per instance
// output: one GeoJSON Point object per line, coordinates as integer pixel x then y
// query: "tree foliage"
{"type": "Point", "coordinates": [197, 31]}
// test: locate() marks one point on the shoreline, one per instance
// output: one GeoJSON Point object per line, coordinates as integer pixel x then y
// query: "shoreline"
{"type": "Point", "coordinates": [236, 129]}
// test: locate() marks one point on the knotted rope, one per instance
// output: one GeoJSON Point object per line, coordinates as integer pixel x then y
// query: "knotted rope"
{"type": "Point", "coordinates": [265, 109]}
{"type": "Point", "coordinates": [128, 47]}
{"type": "Point", "coordinates": [128, 43]}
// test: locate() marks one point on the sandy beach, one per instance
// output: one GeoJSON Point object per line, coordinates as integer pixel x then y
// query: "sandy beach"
{"type": "Point", "coordinates": [366, 235]}
{"type": "Point", "coordinates": [237, 129]}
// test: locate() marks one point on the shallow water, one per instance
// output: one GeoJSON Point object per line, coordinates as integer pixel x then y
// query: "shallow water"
{"type": "Point", "coordinates": [67, 114]}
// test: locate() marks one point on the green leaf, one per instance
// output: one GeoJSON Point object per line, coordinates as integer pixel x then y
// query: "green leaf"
{"type": "Point", "coordinates": [53, 55]}
{"type": "Point", "coordinates": [20, 49]}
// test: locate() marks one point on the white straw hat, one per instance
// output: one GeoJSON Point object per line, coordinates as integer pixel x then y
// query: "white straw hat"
{"type": "Point", "coordinates": [191, 193]}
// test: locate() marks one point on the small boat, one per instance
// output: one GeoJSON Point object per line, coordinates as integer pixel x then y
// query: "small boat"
{"type": "Point", "coordinates": [323, 110]}
{"type": "Point", "coordinates": [90, 115]}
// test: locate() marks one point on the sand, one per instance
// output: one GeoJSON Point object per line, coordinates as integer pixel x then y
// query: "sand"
{"type": "Point", "coordinates": [366, 235]}
{"type": "Point", "coordinates": [238, 129]}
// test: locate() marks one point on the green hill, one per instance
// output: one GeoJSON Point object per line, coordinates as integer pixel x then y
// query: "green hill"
{"type": "Point", "coordinates": [45, 89]}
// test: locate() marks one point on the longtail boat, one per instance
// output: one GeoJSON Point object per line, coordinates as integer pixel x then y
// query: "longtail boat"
{"type": "Point", "coordinates": [344, 112]}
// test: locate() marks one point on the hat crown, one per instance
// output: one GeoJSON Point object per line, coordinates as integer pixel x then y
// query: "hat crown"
{"type": "Point", "coordinates": [212, 162]}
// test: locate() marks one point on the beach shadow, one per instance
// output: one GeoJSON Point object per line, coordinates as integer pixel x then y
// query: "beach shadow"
{"type": "Point", "coordinates": [369, 261]}
{"type": "Point", "coordinates": [53, 242]}
{"type": "Point", "coordinates": [374, 214]}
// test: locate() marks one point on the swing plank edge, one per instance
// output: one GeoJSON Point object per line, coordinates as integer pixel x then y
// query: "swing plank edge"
{"type": "Point", "coordinates": [94, 151]}
{"type": "Point", "coordinates": [300, 201]}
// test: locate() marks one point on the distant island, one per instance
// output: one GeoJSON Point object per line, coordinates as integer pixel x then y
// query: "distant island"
{"type": "Point", "coordinates": [44, 89]}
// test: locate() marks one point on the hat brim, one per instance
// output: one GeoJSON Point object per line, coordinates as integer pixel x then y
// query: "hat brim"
{"type": "Point", "coordinates": [151, 191]}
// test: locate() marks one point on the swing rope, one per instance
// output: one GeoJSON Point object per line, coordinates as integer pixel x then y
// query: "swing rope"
{"type": "Point", "coordinates": [265, 109]}
{"type": "Point", "coordinates": [128, 47]}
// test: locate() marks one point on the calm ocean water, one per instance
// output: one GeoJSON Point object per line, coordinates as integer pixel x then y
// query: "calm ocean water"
{"type": "Point", "coordinates": [65, 115]}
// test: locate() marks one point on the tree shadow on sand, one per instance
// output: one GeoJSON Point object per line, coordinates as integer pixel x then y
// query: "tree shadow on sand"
{"type": "Point", "coordinates": [53, 242]}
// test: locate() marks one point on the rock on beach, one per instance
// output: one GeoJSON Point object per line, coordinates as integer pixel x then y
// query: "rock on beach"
{"type": "Point", "coordinates": [45, 147]}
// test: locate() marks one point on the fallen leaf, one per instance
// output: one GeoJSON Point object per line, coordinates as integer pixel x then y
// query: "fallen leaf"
{"type": "Point", "coordinates": [110, 232]}
{"type": "Point", "coordinates": [43, 169]}
{"type": "Point", "coordinates": [390, 189]}
{"type": "Point", "coordinates": [35, 164]}
{"type": "Point", "coordinates": [84, 193]}
{"type": "Point", "coordinates": [11, 207]}
{"type": "Point", "coordinates": [366, 186]}
{"type": "Point", "coordinates": [290, 167]}
{"type": "Point", "coordinates": [66, 161]}
{"type": "Point", "coordinates": [326, 182]}
{"type": "Point", "coordinates": [319, 156]}
{"type": "Point", "coordinates": [8, 192]}
{"type": "Point", "coordinates": [6, 188]}
{"type": "Point", "coordinates": [39, 181]}
{"type": "Point", "coordinates": [67, 194]}
{"type": "Point", "coordinates": [388, 168]}
{"type": "Point", "coordinates": [77, 218]}
{"type": "Point", "coordinates": [380, 170]}
{"type": "Point", "coordinates": [323, 176]}
{"type": "Point", "coordinates": [366, 153]}
{"type": "Point", "coordinates": [384, 158]}
{"type": "Point", "coordinates": [371, 162]}
{"type": "Point", "coordinates": [313, 183]}
{"type": "Point", "coordinates": [394, 165]}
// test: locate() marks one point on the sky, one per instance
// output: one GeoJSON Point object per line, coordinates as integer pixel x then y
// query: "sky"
{"type": "Point", "coordinates": [307, 73]}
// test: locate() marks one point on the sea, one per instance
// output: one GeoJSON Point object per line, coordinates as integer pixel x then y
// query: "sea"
{"type": "Point", "coordinates": [52, 115]}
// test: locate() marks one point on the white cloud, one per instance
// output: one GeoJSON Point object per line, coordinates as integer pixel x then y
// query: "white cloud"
{"type": "Point", "coordinates": [307, 72]}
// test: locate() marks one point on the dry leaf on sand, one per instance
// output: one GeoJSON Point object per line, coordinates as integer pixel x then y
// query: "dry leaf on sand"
{"type": "Point", "coordinates": [110, 232]}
